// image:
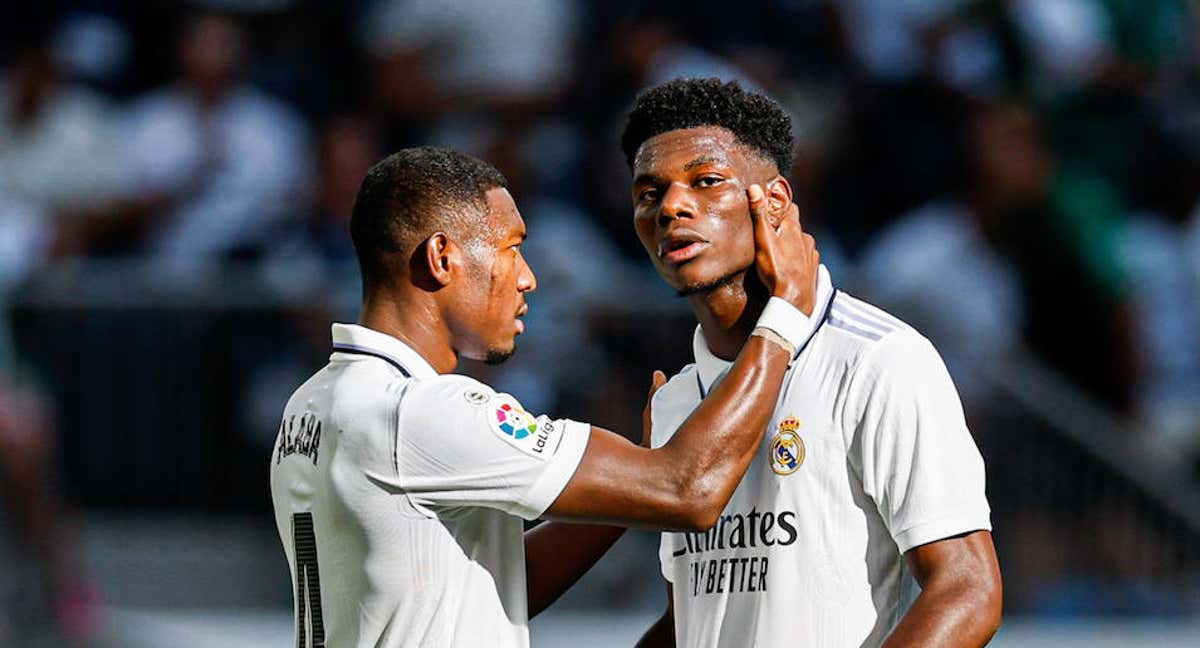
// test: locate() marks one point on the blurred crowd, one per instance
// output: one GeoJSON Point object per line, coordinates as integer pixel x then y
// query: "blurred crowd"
{"type": "Point", "coordinates": [1008, 175]}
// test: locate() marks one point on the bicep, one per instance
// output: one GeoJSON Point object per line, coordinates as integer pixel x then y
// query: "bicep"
{"type": "Point", "coordinates": [620, 483]}
{"type": "Point", "coordinates": [967, 557]}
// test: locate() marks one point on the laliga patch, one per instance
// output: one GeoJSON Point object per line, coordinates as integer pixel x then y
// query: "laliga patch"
{"type": "Point", "coordinates": [787, 448]}
{"type": "Point", "coordinates": [521, 430]}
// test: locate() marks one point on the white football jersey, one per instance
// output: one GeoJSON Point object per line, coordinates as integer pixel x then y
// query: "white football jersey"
{"type": "Point", "coordinates": [399, 495]}
{"type": "Point", "coordinates": [866, 456]}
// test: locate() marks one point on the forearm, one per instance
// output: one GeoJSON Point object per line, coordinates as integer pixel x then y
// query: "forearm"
{"type": "Point", "coordinates": [712, 449]}
{"type": "Point", "coordinates": [954, 616]}
{"type": "Point", "coordinates": [557, 554]}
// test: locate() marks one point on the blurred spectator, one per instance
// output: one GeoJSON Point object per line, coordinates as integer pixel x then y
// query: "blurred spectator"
{"type": "Point", "coordinates": [215, 164]}
{"type": "Point", "coordinates": [56, 157]}
{"type": "Point", "coordinates": [56, 147]}
{"type": "Point", "coordinates": [1159, 258]}
{"type": "Point", "coordinates": [316, 255]}
{"type": "Point", "coordinates": [438, 59]}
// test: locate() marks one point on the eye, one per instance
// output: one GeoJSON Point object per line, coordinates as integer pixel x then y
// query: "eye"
{"type": "Point", "coordinates": [648, 195]}
{"type": "Point", "coordinates": [709, 181]}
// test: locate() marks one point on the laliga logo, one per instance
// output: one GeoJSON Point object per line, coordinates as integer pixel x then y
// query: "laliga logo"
{"type": "Point", "coordinates": [787, 449]}
{"type": "Point", "coordinates": [515, 422]}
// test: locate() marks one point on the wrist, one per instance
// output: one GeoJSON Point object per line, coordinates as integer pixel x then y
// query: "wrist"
{"type": "Point", "coordinates": [797, 297]}
{"type": "Point", "coordinates": [786, 320]}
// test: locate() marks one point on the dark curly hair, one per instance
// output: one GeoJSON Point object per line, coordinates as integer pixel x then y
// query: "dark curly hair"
{"type": "Point", "coordinates": [753, 118]}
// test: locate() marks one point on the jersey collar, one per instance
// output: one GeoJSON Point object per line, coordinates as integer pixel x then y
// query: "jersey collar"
{"type": "Point", "coordinates": [710, 368]}
{"type": "Point", "coordinates": [352, 338]}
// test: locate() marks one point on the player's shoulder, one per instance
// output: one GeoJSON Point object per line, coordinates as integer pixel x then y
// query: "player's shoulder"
{"type": "Point", "coordinates": [876, 344]}
{"type": "Point", "coordinates": [856, 331]}
{"type": "Point", "coordinates": [445, 393]}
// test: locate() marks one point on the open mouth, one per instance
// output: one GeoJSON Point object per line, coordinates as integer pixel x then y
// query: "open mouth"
{"type": "Point", "coordinates": [680, 246]}
{"type": "Point", "coordinates": [521, 313]}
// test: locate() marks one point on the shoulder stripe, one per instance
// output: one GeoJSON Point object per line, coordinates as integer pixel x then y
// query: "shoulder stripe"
{"type": "Point", "coordinates": [835, 322]}
{"type": "Point", "coordinates": [872, 311]}
{"type": "Point", "coordinates": [357, 350]}
{"type": "Point", "coordinates": [848, 314]}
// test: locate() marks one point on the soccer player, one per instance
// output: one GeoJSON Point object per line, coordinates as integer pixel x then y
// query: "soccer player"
{"type": "Point", "coordinates": [867, 485]}
{"type": "Point", "coordinates": [399, 487]}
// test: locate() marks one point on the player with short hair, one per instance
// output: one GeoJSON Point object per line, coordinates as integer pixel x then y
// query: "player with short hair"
{"type": "Point", "coordinates": [867, 476]}
{"type": "Point", "coordinates": [399, 488]}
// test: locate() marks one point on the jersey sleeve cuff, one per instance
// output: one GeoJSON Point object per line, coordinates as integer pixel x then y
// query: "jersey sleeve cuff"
{"type": "Point", "coordinates": [788, 321]}
{"type": "Point", "coordinates": [943, 527]}
{"type": "Point", "coordinates": [558, 473]}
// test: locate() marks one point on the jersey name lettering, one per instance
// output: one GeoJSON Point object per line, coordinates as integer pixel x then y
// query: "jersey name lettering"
{"type": "Point", "coordinates": [299, 436]}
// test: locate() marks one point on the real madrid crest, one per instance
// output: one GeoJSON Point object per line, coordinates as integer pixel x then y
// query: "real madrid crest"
{"type": "Point", "coordinates": [787, 449]}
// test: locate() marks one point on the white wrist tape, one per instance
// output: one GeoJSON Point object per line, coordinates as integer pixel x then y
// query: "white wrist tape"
{"type": "Point", "coordinates": [787, 321]}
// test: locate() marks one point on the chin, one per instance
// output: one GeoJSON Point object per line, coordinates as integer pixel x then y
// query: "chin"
{"type": "Point", "coordinates": [694, 283]}
{"type": "Point", "coordinates": [499, 356]}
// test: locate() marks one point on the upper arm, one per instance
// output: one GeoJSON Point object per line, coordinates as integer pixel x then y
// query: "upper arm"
{"type": "Point", "coordinates": [461, 444]}
{"type": "Point", "coordinates": [966, 561]}
{"type": "Point", "coordinates": [916, 456]}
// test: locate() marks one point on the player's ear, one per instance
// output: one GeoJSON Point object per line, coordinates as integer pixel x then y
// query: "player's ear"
{"type": "Point", "coordinates": [441, 256]}
{"type": "Point", "coordinates": [779, 198]}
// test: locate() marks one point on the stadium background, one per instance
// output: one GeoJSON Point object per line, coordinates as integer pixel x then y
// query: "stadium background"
{"type": "Point", "coordinates": [1017, 178]}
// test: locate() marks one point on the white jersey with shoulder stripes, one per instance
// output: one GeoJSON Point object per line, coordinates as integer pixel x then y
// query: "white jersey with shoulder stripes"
{"type": "Point", "coordinates": [867, 456]}
{"type": "Point", "coordinates": [399, 495]}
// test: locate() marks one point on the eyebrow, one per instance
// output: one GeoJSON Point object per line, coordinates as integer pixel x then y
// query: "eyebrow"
{"type": "Point", "coordinates": [705, 159]}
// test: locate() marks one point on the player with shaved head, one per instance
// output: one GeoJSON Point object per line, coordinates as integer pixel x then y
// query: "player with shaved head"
{"type": "Point", "coordinates": [399, 487]}
{"type": "Point", "coordinates": [862, 520]}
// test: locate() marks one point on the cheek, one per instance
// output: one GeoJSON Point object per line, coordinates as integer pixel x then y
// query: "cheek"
{"type": "Point", "coordinates": [733, 230]}
{"type": "Point", "coordinates": [644, 226]}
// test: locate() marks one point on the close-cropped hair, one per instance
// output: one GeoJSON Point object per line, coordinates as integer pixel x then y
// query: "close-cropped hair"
{"type": "Point", "coordinates": [413, 193]}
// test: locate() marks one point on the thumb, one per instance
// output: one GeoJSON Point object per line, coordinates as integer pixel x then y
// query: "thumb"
{"type": "Point", "coordinates": [658, 380]}
{"type": "Point", "coordinates": [764, 231]}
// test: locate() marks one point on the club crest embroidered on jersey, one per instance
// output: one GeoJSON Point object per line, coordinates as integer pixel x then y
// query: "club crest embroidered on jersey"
{"type": "Point", "coordinates": [787, 448]}
{"type": "Point", "coordinates": [521, 429]}
{"type": "Point", "coordinates": [477, 397]}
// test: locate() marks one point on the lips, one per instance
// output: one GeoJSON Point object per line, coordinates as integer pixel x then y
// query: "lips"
{"type": "Point", "coordinates": [521, 313]}
{"type": "Point", "coordinates": [681, 245]}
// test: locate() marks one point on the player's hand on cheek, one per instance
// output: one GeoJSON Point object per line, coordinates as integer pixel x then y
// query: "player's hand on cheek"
{"type": "Point", "coordinates": [786, 257]}
{"type": "Point", "coordinates": [657, 380]}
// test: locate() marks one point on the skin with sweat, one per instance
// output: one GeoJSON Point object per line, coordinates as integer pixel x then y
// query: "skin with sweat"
{"type": "Point", "coordinates": [693, 218]}
{"type": "Point", "coordinates": [462, 292]}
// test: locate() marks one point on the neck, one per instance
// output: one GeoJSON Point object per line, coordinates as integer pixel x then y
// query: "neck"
{"type": "Point", "coordinates": [728, 313]}
{"type": "Point", "coordinates": [417, 324]}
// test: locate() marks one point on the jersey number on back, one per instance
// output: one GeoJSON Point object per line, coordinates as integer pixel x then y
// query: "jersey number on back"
{"type": "Point", "coordinates": [308, 582]}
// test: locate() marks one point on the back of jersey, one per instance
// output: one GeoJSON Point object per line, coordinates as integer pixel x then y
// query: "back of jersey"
{"type": "Point", "coordinates": [398, 496]}
{"type": "Point", "coordinates": [310, 499]}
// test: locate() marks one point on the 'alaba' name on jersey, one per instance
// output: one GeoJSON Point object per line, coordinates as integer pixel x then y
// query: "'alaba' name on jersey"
{"type": "Point", "coordinates": [399, 495]}
{"type": "Point", "coordinates": [867, 455]}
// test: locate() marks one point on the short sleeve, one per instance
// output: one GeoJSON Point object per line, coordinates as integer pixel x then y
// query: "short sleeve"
{"type": "Point", "coordinates": [911, 444]}
{"type": "Point", "coordinates": [462, 444]}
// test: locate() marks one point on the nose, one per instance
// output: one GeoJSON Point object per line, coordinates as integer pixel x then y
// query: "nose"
{"type": "Point", "coordinates": [526, 280]}
{"type": "Point", "coordinates": [677, 202]}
